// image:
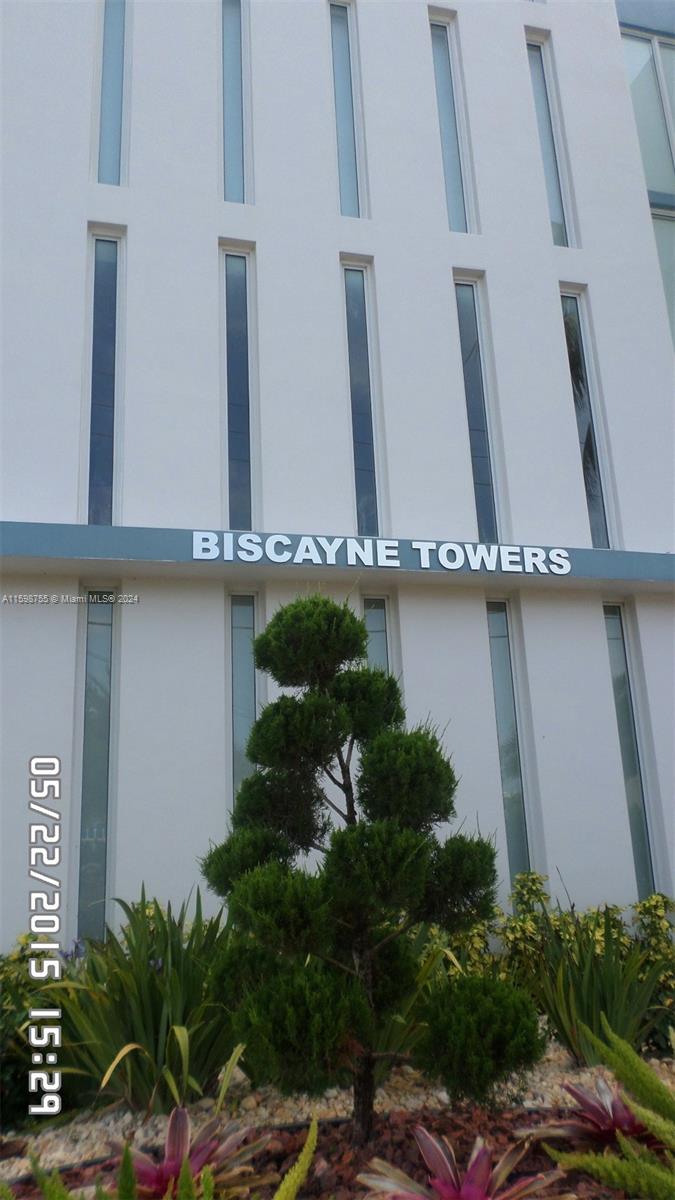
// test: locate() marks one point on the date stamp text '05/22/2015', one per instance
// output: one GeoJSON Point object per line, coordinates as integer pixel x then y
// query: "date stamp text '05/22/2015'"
{"type": "Point", "coordinates": [44, 854]}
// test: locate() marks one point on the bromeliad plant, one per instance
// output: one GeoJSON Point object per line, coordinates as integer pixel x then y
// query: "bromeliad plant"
{"type": "Point", "coordinates": [481, 1181]}
{"type": "Point", "coordinates": [141, 1021]}
{"type": "Point", "coordinates": [223, 1153]}
{"type": "Point", "coordinates": [598, 1118]}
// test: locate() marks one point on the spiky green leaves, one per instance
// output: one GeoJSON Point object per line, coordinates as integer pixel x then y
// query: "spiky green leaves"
{"type": "Point", "coordinates": [406, 777]}
{"type": "Point", "coordinates": [371, 700]}
{"type": "Point", "coordinates": [241, 852]}
{"type": "Point", "coordinates": [478, 1030]}
{"type": "Point", "coordinates": [296, 733]}
{"type": "Point", "coordinates": [288, 802]}
{"type": "Point", "coordinates": [301, 1027]}
{"type": "Point", "coordinates": [307, 641]}
{"type": "Point", "coordinates": [375, 871]}
{"type": "Point", "coordinates": [461, 883]}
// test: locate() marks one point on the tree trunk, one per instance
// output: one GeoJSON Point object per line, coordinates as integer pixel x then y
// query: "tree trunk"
{"type": "Point", "coordinates": [364, 1098]}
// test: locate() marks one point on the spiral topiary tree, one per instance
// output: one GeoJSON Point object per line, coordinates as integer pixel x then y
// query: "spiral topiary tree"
{"type": "Point", "coordinates": [319, 961]}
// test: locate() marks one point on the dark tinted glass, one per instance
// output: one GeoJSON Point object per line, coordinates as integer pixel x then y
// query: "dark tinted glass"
{"type": "Point", "coordinates": [101, 441]}
{"type": "Point", "coordinates": [362, 417]}
{"type": "Point", "coordinates": [630, 760]}
{"type": "Point", "coordinates": [475, 411]}
{"type": "Point", "coordinates": [582, 408]}
{"type": "Point", "coordinates": [375, 617]}
{"type": "Point", "coordinates": [507, 736]}
{"type": "Point", "coordinates": [243, 685]}
{"type": "Point", "coordinates": [238, 413]}
{"type": "Point", "coordinates": [95, 764]}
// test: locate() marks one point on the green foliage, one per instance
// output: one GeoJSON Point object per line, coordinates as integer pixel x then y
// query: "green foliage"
{"type": "Point", "coordinates": [186, 1183]}
{"type": "Point", "coordinates": [308, 1022]}
{"type": "Point", "coordinates": [478, 1031]}
{"type": "Point", "coordinates": [374, 871]}
{"type": "Point", "coordinates": [140, 1018]}
{"type": "Point", "coordinates": [294, 1179]}
{"type": "Point", "coordinates": [16, 989]}
{"type": "Point", "coordinates": [407, 778]}
{"type": "Point", "coordinates": [126, 1178]}
{"type": "Point", "coordinates": [461, 883]}
{"type": "Point", "coordinates": [639, 1171]}
{"type": "Point", "coordinates": [299, 1026]}
{"type": "Point", "coordinates": [284, 908]}
{"type": "Point", "coordinates": [290, 803]}
{"type": "Point", "coordinates": [296, 733]}
{"type": "Point", "coordinates": [244, 850]}
{"type": "Point", "coordinates": [307, 642]}
{"type": "Point", "coordinates": [371, 699]}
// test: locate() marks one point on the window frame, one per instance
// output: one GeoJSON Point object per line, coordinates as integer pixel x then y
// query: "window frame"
{"type": "Point", "coordinates": [362, 188]}
{"type": "Point", "coordinates": [247, 250]}
{"type": "Point", "coordinates": [246, 107]}
{"type": "Point", "coordinates": [543, 39]}
{"type": "Point", "coordinates": [476, 279]}
{"type": "Point", "coordinates": [97, 106]}
{"type": "Point", "coordinates": [109, 233]}
{"type": "Point", "coordinates": [450, 20]}
{"type": "Point", "coordinates": [249, 593]}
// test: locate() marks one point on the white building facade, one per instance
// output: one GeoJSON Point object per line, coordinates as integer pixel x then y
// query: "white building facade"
{"type": "Point", "coordinates": [375, 286]}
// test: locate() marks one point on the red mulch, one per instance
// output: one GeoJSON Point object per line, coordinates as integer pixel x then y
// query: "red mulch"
{"type": "Point", "coordinates": [337, 1163]}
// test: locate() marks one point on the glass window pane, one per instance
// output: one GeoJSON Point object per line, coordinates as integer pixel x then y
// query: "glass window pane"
{"type": "Point", "coordinates": [375, 616]}
{"type": "Point", "coordinates": [233, 107]}
{"type": "Point", "coordinates": [112, 83]}
{"type": "Point", "coordinates": [344, 111]}
{"type": "Point", "coordinates": [657, 158]}
{"type": "Point", "coordinates": [243, 685]}
{"type": "Point", "coordinates": [452, 164]}
{"type": "Point", "coordinates": [475, 408]}
{"type": "Point", "coordinates": [668, 63]}
{"type": "Point", "coordinates": [637, 817]}
{"type": "Point", "coordinates": [362, 417]}
{"type": "Point", "coordinates": [545, 127]}
{"type": "Point", "coordinates": [664, 232]}
{"type": "Point", "coordinates": [95, 769]}
{"type": "Point", "coordinates": [104, 332]}
{"type": "Point", "coordinates": [584, 416]}
{"type": "Point", "coordinates": [507, 737]}
{"type": "Point", "coordinates": [238, 412]}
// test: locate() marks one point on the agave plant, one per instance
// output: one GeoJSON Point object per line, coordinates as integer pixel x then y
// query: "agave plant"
{"type": "Point", "coordinates": [482, 1180]}
{"type": "Point", "coordinates": [223, 1153]}
{"type": "Point", "coordinates": [597, 1119]}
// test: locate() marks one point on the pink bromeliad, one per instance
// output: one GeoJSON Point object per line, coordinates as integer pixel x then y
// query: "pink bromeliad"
{"type": "Point", "coordinates": [482, 1180]}
{"type": "Point", "coordinates": [222, 1152]}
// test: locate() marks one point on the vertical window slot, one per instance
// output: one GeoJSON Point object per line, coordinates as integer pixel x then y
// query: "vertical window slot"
{"type": "Point", "coordinates": [476, 412]}
{"type": "Point", "coordinates": [112, 93]}
{"type": "Point", "coordinates": [584, 416]}
{"type": "Point", "coordinates": [104, 344]}
{"type": "Point", "coordinates": [547, 142]}
{"type": "Point", "coordinates": [630, 759]}
{"type": "Point", "coordinates": [348, 173]}
{"type": "Point", "coordinates": [507, 737]}
{"type": "Point", "coordinates": [362, 416]}
{"type": "Point", "coordinates": [375, 616]}
{"type": "Point", "coordinates": [447, 118]}
{"type": "Point", "coordinates": [243, 684]}
{"type": "Point", "coordinates": [233, 102]}
{"type": "Point", "coordinates": [95, 768]}
{"type": "Point", "coordinates": [238, 399]}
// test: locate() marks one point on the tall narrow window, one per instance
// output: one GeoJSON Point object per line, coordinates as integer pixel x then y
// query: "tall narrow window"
{"type": "Point", "coordinates": [584, 415]}
{"type": "Point", "coordinates": [243, 685]}
{"type": "Point", "coordinates": [476, 414]}
{"type": "Point", "coordinates": [547, 142]}
{"type": "Point", "coordinates": [233, 102]}
{"type": "Point", "coordinates": [95, 768]}
{"type": "Point", "coordinates": [447, 118]}
{"type": "Point", "coordinates": [344, 111]}
{"type": "Point", "coordinates": [104, 340]}
{"type": "Point", "coordinates": [507, 736]}
{"type": "Point", "coordinates": [362, 415]}
{"type": "Point", "coordinates": [375, 616]}
{"type": "Point", "coordinates": [112, 90]}
{"type": "Point", "coordinates": [637, 817]}
{"type": "Point", "coordinates": [238, 409]}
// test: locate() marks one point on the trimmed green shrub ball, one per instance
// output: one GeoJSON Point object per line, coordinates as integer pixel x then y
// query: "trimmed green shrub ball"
{"type": "Point", "coordinates": [480, 1029]}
